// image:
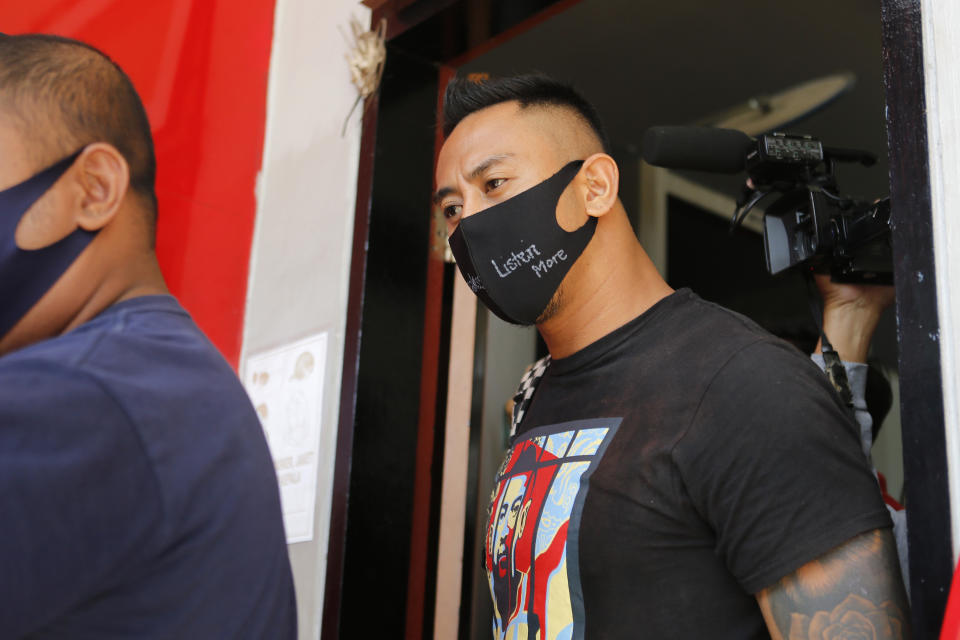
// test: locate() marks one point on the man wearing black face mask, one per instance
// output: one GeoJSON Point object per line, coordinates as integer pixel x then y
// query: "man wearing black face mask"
{"type": "Point", "coordinates": [139, 498]}
{"type": "Point", "coordinates": [660, 480]}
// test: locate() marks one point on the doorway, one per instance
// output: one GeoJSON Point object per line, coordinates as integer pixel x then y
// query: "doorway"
{"type": "Point", "coordinates": [642, 66]}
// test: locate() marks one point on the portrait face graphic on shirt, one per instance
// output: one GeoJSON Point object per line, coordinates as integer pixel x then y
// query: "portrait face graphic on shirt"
{"type": "Point", "coordinates": [507, 520]}
{"type": "Point", "coordinates": [537, 499]}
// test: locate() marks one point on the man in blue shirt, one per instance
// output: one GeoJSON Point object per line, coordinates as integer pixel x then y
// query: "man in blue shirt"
{"type": "Point", "coordinates": [138, 493]}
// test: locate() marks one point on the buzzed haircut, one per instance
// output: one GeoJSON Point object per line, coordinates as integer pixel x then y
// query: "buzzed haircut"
{"type": "Point", "coordinates": [466, 95]}
{"type": "Point", "coordinates": [67, 94]}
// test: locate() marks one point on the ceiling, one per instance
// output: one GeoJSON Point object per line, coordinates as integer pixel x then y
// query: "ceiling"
{"type": "Point", "coordinates": [644, 63]}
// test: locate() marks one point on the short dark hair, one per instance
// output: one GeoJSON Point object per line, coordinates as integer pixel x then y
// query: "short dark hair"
{"type": "Point", "coordinates": [68, 94]}
{"type": "Point", "coordinates": [466, 95]}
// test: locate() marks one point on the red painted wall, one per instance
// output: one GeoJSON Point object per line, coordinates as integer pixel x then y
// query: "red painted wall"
{"type": "Point", "coordinates": [200, 67]}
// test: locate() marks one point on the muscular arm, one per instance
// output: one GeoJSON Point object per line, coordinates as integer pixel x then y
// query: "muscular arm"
{"type": "Point", "coordinates": [852, 591]}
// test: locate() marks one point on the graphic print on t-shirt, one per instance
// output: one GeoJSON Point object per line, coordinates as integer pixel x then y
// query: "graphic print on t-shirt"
{"type": "Point", "coordinates": [533, 529]}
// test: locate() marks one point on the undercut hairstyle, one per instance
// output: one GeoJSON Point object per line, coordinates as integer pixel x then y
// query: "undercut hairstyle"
{"type": "Point", "coordinates": [466, 95]}
{"type": "Point", "coordinates": [66, 94]}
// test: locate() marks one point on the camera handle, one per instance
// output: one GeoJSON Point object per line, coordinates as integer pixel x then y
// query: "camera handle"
{"type": "Point", "coordinates": [745, 203]}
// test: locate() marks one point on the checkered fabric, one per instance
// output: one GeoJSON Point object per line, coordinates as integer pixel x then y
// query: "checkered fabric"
{"type": "Point", "coordinates": [524, 394]}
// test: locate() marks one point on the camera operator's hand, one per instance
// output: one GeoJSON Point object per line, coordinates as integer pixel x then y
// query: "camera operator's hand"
{"type": "Point", "coordinates": [850, 315]}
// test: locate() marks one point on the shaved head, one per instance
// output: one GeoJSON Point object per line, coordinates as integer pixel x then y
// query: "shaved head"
{"type": "Point", "coordinates": [564, 129]}
{"type": "Point", "coordinates": [63, 95]}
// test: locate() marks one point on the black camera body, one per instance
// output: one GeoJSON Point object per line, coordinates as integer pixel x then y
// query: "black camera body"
{"type": "Point", "coordinates": [810, 222]}
{"type": "Point", "coordinates": [853, 244]}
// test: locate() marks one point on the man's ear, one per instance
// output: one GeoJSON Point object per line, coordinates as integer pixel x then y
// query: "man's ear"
{"type": "Point", "coordinates": [103, 176]}
{"type": "Point", "coordinates": [600, 184]}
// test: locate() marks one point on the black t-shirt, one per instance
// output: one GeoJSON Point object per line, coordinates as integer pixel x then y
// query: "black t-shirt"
{"type": "Point", "coordinates": [666, 473]}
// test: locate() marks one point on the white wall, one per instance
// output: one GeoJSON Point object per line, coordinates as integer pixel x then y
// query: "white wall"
{"type": "Point", "coordinates": [941, 51]}
{"type": "Point", "coordinates": [300, 259]}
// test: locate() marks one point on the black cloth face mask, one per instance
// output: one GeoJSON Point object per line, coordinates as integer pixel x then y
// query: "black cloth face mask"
{"type": "Point", "coordinates": [514, 254]}
{"type": "Point", "coordinates": [25, 275]}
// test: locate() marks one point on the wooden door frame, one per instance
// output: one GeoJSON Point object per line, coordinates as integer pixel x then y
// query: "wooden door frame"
{"type": "Point", "coordinates": [402, 15]}
{"type": "Point", "coordinates": [921, 384]}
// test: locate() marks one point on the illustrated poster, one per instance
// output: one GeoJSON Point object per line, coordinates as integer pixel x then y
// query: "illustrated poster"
{"type": "Point", "coordinates": [286, 387]}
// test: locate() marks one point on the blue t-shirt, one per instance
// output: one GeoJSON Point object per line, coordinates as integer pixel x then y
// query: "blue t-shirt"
{"type": "Point", "coordinates": [138, 495]}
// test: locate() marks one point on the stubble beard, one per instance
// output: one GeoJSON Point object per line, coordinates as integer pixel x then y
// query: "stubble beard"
{"type": "Point", "coordinates": [553, 307]}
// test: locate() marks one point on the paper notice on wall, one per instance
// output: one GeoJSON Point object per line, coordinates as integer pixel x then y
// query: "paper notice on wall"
{"type": "Point", "coordinates": [286, 387]}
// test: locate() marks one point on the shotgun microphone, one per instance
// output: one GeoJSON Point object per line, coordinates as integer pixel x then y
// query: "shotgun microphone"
{"type": "Point", "coordinates": [697, 148]}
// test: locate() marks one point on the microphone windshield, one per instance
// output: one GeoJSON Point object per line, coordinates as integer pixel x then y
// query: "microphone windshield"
{"type": "Point", "coordinates": [697, 148]}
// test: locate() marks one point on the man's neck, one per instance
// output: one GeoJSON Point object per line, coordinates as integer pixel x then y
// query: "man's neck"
{"type": "Point", "coordinates": [55, 315]}
{"type": "Point", "coordinates": [141, 277]}
{"type": "Point", "coordinates": [607, 299]}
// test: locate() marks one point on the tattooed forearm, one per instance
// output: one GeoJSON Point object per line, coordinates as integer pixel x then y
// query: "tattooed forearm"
{"type": "Point", "coordinates": [854, 591]}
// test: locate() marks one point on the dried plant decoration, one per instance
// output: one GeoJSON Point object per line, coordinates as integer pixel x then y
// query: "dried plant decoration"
{"type": "Point", "coordinates": [367, 55]}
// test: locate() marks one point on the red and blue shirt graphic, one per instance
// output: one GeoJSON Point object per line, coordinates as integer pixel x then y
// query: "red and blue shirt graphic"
{"type": "Point", "coordinates": [531, 552]}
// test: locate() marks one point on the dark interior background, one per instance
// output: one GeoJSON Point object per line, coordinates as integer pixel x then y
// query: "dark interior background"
{"type": "Point", "coordinates": [678, 62]}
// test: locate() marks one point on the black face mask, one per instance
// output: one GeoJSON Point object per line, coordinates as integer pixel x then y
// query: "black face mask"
{"type": "Point", "coordinates": [514, 255]}
{"type": "Point", "coordinates": [26, 275]}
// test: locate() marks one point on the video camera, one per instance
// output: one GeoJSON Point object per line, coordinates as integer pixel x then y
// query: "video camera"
{"type": "Point", "coordinates": [811, 222]}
